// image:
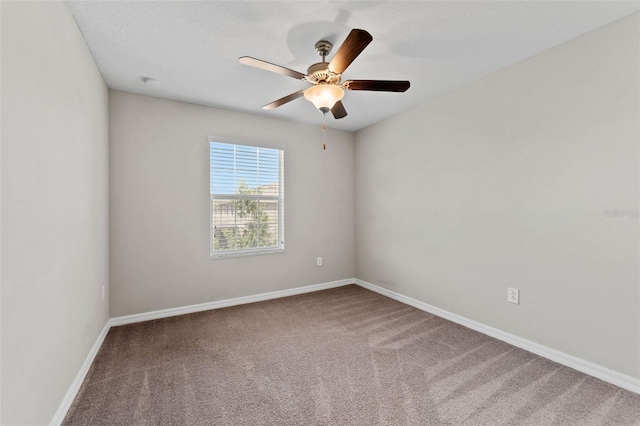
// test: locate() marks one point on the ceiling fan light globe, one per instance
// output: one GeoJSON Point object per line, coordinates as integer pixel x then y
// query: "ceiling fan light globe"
{"type": "Point", "coordinates": [324, 96]}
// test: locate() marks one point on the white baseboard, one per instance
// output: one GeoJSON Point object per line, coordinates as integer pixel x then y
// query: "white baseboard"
{"type": "Point", "coordinates": [171, 312]}
{"type": "Point", "coordinates": [622, 380]}
{"type": "Point", "coordinates": [77, 382]}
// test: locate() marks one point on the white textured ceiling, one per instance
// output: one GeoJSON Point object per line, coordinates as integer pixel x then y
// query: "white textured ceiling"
{"type": "Point", "coordinates": [192, 47]}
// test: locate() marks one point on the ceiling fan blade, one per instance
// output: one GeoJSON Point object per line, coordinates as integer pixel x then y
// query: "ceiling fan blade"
{"type": "Point", "coordinates": [282, 101]}
{"type": "Point", "coordinates": [268, 66]}
{"type": "Point", "coordinates": [353, 45]}
{"type": "Point", "coordinates": [378, 85]}
{"type": "Point", "coordinates": [338, 110]}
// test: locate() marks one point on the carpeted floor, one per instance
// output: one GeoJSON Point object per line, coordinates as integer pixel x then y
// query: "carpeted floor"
{"type": "Point", "coordinates": [345, 356]}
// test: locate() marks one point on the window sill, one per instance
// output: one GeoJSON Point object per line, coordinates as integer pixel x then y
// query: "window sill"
{"type": "Point", "coordinates": [242, 253]}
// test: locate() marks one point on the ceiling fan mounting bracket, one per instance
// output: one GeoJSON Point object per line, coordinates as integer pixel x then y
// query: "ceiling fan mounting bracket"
{"type": "Point", "coordinates": [323, 47]}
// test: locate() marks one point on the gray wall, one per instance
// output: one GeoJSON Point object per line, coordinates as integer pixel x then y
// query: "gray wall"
{"type": "Point", "coordinates": [54, 207]}
{"type": "Point", "coordinates": [505, 182]}
{"type": "Point", "coordinates": [159, 181]}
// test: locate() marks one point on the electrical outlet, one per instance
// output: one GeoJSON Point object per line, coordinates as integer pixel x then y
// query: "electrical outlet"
{"type": "Point", "coordinates": [513, 295]}
{"type": "Point", "coordinates": [319, 261]}
{"type": "Point", "coordinates": [103, 293]}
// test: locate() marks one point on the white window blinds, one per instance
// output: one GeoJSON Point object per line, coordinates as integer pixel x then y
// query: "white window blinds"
{"type": "Point", "coordinates": [247, 199]}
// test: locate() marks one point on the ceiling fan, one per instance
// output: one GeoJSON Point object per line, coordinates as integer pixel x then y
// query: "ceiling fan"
{"type": "Point", "coordinates": [326, 90]}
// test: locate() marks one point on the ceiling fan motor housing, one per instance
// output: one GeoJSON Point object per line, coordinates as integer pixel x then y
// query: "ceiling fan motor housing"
{"type": "Point", "coordinates": [320, 74]}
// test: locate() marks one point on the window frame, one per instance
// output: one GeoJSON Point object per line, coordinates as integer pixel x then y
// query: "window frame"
{"type": "Point", "coordinates": [222, 254]}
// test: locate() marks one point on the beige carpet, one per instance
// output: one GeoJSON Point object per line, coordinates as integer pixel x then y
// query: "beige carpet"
{"type": "Point", "coordinates": [345, 356]}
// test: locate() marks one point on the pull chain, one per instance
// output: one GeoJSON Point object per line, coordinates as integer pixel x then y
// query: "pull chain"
{"type": "Point", "coordinates": [324, 133]}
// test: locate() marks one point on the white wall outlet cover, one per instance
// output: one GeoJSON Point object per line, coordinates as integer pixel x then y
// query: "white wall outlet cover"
{"type": "Point", "coordinates": [319, 261]}
{"type": "Point", "coordinates": [513, 295]}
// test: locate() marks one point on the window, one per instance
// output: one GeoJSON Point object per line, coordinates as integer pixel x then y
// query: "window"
{"type": "Point", "coordinates": [247, 199]}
